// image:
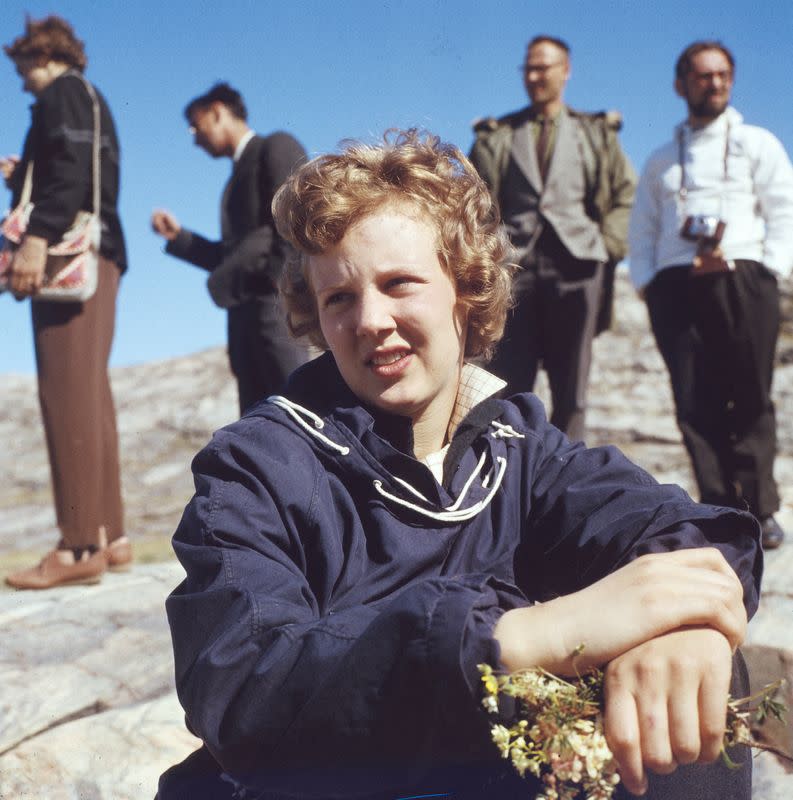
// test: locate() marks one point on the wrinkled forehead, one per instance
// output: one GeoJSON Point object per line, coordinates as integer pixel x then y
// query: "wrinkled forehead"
{"type": "Point", "coordinates": [545, 54]}
{"type": "Point", "coordinates": [411, 209]}
{"type": "Point", "coordinates": [393, 202]}
{"type": "Point", "coordinates": [708, 61]}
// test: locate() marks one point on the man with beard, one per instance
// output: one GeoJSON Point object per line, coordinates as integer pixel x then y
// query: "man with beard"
{"type": "Point", "coordinates": [565, 190]}
{"type": "Point", "coordinates": [711, 231]}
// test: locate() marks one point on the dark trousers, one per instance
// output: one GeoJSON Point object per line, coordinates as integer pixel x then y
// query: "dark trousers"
{"type": "Point", "coordinates": [72, 342]}
{"type": "Point", "coordinates": [262, 352]}
{"type": "Point", "coordinates": [714, 781]}
{"type": "Point", "coordinates": [557, 299]}
{"type": "Point", "coordinates": [717, 334]}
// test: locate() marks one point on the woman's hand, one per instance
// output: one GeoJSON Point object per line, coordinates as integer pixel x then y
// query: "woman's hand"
{"type": "Point", "coordinates": [27, 268]}
{"type": "Point", "coordinates": [666, 703]}
{"type": "Point", "coordinates": [651, 596]}
{"type": "Point", "coordinates": [8, 166]}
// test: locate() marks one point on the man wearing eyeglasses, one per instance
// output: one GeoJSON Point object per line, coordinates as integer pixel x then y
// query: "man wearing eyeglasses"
{"type": "Point", "coordinates": [245, 265]}
{"type": "Point", "coordinates": [565, 190]}
{"type": "Point", "coordinates": [711, 231]}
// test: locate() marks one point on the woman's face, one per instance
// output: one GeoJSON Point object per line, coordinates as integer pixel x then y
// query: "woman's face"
{"type": "Point", "coordinates": [37, 76]}
{"type": "Point", "coordinates": [390, 315]}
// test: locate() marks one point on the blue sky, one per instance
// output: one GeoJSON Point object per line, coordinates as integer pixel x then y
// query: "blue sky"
{"type": "Point", "coordinates": [326, 71]}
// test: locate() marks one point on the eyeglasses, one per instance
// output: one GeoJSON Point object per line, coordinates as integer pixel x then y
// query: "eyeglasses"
{"type": "Point", "coordinates": [725, 76]}
{"type": "Point", "coordinates": [542, 68]}
{"type": "Point", "coordinates": [197, 118]}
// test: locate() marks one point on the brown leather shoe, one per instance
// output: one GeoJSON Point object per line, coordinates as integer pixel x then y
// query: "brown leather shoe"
{"type": "Point", "coordinates": [52, 571]}
{"type": "Point", "coordinates": [118, 555]}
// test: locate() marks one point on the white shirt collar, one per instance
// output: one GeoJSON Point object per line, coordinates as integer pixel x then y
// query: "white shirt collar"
{"type": "Point", "coordinates": [242, 144]}
{"type": "Point", "coordinates": [717, 127]}
{"type": "Point", "coordinates": [476, 384]}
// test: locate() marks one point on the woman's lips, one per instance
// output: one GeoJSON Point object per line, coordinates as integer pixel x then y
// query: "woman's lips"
{"type": "Point", "coordinates": [388, 364]}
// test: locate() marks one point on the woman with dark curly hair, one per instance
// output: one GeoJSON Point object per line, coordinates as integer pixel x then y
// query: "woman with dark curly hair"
{"type": "Point", "coordinates": [72, 339]}
{"type": "Point", "coordinates": [357, 546]}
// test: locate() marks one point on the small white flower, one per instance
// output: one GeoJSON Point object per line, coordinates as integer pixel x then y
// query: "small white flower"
{"type": "Point", "coordinates": [491, 704]}
{"type": "Point", "coordinates": [501, 737]}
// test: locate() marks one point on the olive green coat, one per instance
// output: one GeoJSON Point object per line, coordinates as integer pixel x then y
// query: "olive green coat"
{"type": "Point", "coordinates": [609, 177]}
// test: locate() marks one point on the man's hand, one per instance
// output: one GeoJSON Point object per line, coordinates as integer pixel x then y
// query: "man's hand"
{"type": "Point", "coordinates": [666, 703]}
{"type": "Point", "coordinates": [165, 224]}
{"type": "Point", "coordinates": [651, 596]}
{"type": "Point", "coordinates": [8, 166]}
{"type": "Point", "coordinates": [27, 268]}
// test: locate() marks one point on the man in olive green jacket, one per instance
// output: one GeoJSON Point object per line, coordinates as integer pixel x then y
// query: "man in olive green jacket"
{"type": "Point", "coordinates": [565, 190]}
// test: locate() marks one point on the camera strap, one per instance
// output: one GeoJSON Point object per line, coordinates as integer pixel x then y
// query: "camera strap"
{"type": "Point", "coordinates": [682, 192]}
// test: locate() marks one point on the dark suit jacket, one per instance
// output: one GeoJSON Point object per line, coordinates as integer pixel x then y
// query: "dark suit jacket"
{"type": "Point", "coordinates": [248, 261]}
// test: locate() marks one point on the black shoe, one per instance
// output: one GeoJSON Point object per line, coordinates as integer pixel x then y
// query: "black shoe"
{"type": "Point", "coordinates": [773, 535]}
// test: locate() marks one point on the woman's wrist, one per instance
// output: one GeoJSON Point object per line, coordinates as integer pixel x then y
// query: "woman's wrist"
{"type": "Point", "coordinates": [529, 637]}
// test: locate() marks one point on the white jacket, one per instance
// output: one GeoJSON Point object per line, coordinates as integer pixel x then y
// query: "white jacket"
{"type": "Point", "coordinates": [755, 200]}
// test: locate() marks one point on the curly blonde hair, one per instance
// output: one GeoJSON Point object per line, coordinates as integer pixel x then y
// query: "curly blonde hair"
{"type": "Point", "coordinates": [49, 39]}
{"type": "Point", "coordinates": [316, 207]}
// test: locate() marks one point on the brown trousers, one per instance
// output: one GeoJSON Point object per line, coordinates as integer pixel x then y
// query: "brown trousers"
{"type": "Point", "coordinates": [72, 342]}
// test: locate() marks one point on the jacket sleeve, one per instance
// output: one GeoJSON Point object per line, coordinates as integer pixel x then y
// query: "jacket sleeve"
{"type": "Point", "coordinates": [63, 136]}
{"type": "Point", "coordinates": [592, 511]}
{"type": "Point", "coordinates": [195, 249]}
{"type": "Point", "coordinates": [644, 228]}
{"type": "Point", "coordinates": [245, 272]}
{"type": "Point", "coordinates": [622, 185]}
{"type": "Point", "coordinates": [266, 668]}
{"type": "Point", "coordinates": [252, 266]}
{"type": "Point", "coordinates": [773, 184]}
{"type": "Point", "coordinates": [485, 156]}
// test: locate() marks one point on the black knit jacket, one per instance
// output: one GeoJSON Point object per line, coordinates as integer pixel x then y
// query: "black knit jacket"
{"type": "Point", "coordinates": [59, 142]}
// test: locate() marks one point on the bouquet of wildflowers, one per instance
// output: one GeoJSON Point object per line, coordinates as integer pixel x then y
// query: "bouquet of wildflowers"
{"type": "Point", "coordinates": [559, 736]}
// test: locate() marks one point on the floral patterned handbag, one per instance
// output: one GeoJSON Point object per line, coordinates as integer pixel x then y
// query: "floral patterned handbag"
{"type": "Point", "coordinates": [72, 263]}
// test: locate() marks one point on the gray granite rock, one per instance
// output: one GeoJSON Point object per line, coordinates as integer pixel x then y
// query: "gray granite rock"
{"type": "Point", "coordinates": [116, 754]}
{"type": "Point", "coordinates": [87, 706]}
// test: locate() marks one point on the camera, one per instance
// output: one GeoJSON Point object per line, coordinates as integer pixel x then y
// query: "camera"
{"type": "Point", "coordinates": [707, 230]}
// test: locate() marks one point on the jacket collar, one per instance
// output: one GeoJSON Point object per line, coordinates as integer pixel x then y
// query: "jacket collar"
{"type": "Point", "coordinates": [524, 150]}
{"type": "Point", "coordinates": [385, 441]}
{"type": "Point", "coordinates": [337, 401]}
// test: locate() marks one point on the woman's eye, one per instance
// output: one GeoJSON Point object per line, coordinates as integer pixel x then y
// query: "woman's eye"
{"type": "Point", "coordinates": [335, 299]}
{"type": "Point", "coordinates": [402, 280]}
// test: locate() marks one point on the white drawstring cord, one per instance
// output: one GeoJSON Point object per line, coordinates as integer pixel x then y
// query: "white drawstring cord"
{"type": "Point", "coordinates": [292, 409]}
{"type": "Point", "coordinates": [452, 513]}
{"type": "Point", "coordinates": [505, 431]}
{"type": "Point", "coordinates": [468, 483]}
{"type": "Point", "coordinates": [410, 488]}
{"type": "Point", "coordinates": [448, 515]}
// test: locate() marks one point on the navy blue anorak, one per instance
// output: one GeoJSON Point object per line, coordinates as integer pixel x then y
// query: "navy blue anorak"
{"type": "Point", "coordinates": [338, 598]}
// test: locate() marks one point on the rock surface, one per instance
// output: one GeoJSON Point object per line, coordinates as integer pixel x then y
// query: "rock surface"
{"type": "Point", "coordinates": [87, 708]}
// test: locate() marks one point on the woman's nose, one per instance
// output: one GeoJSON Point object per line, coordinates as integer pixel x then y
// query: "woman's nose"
{"type": "Point", "coordinates": [375, 314]}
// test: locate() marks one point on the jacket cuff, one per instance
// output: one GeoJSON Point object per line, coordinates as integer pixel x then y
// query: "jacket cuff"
{"type": "Point", "coordinates": [460, 636]}
{"type": "Point", "coordinates": [42, 229]}
{"type": "Point", "coordinates": [180, 243]}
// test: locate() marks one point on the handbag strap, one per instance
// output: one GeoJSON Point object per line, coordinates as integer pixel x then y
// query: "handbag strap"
{"type": "Point", "coordinates": [27, 186]}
